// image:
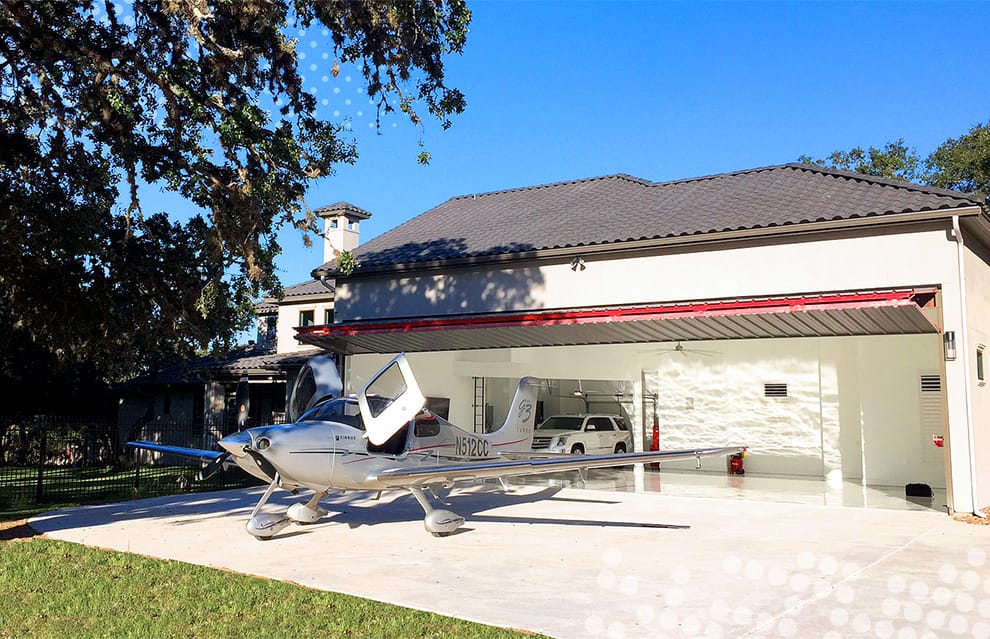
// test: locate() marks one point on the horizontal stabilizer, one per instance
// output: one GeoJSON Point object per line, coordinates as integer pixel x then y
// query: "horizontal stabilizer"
{"type": "Point", "coordinates": [196, 453]}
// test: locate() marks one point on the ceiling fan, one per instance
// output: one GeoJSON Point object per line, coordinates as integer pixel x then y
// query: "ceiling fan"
{"type": "Point", "coordinates": [680, 348]}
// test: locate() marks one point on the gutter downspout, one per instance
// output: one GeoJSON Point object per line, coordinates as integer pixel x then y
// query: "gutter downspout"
{"type": "Point", "coordinates": [964, 347]}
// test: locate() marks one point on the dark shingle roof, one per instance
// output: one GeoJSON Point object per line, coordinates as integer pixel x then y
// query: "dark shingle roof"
{"type": "Point", "coordinates": [621, 208]}
{"type": "Point", "coordinates": [311, 287]}
{"type": "Point", "coordinates": [269, 305]}
{"type": "Point", "coordinates": [240, 360]}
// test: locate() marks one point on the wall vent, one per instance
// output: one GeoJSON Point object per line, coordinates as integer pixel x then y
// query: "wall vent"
{"type": "Point", "coordinates": [775, 390]}
{"type": "Point", "coordinates": [931, 383]}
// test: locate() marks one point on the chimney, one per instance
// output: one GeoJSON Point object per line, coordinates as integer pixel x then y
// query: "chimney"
{"type": "Point", "coordinates": [341, 228]}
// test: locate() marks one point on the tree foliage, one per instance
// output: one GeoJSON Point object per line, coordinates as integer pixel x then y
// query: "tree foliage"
{"type": "Point", "coordinates": [895, 160]}
{"type": "Point", "coordinates": [175, 97]}
{"type": "Point", "coordinates": [962, 164]}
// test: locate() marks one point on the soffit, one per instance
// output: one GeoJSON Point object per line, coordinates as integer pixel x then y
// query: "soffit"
{"type": "Point", "coordinates": [892, 312]}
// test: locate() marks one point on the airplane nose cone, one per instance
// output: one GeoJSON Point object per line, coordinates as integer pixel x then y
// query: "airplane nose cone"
{"type": "Point", "coordinates": [235, 443]}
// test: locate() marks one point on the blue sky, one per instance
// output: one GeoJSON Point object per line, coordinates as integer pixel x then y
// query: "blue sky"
{"type": "Point", "coordinates": [661, 90]}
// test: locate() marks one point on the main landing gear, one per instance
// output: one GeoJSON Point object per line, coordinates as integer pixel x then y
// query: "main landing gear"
{"type": "Point", "coordinates": [438, 523]}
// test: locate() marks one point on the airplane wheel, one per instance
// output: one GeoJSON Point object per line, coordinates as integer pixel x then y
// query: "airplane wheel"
{"type": "Point", "coordinates": [441, 534]}
{"type": "Point", "coordinates": [577, 449]}
{"type": "Point", "coordinates": [260, 538]}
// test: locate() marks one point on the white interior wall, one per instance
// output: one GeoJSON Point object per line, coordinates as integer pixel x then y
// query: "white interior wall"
{"type": "Point", "coordinates": [842, 393]}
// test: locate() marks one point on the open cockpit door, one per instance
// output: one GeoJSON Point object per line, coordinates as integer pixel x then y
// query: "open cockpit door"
{"type": "Point", "coordinates": [390, 400]}
{"type": "Point", "coordinates": [317, 380]}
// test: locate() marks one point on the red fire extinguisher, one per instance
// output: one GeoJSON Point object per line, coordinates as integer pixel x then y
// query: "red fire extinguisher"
{"type": "Point", "coordinates": [655, 443]}
{"type": "Point", "coordinates": [736, 464]}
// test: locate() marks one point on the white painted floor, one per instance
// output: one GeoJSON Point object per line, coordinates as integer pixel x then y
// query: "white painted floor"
{"type": "Point", "coordinates": [749, 487]}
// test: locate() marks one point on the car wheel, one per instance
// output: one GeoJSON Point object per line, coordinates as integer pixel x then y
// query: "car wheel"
{"type": "Point", "coordinates": [577, 449]}
{"type": "Point", "coordinates": [620, 448]}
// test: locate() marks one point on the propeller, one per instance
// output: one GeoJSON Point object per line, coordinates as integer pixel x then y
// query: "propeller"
{"type": "Point", "coordinates": [213, 467]}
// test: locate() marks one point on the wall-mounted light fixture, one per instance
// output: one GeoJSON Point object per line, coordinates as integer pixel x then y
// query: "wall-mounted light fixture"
{"type": "Point", "coordinates": [949, 342]}
{"type": "Point", "coordinates": [577, 264]}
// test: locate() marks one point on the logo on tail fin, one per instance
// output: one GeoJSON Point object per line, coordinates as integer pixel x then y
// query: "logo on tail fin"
{"type": "Point", "coordinates": [525, 410]}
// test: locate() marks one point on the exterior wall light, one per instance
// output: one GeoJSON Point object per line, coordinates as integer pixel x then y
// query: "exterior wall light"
{"type": "Point", "coordinates": [577, 264]}
{"type": "Point", "coordinates": [949, 341]}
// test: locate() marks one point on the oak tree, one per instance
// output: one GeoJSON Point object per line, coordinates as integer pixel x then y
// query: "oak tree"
{"type": "Point", "coordinates": [203, 98]}
{"type": "Point", "coordinates": [962, 163]}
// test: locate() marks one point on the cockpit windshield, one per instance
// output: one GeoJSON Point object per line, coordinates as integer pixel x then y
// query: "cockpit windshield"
{"type": "Point", "coordinates": [562, 422]}
{"type": "Point", "coordinates": [341, 411]}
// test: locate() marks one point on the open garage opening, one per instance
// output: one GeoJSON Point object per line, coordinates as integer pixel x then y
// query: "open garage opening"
{"type": "Point", "coordinates": [845, 414]}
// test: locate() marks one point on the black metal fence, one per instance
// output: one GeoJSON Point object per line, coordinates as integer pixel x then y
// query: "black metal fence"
{"type": "Point", "coordinates": [76, 460]}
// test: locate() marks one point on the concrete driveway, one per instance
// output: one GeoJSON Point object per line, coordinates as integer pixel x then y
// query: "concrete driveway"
{"type": "Point", "coordinates": [585, 563]}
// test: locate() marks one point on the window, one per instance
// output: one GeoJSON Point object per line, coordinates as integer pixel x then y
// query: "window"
{"type": "Point", "coordinates": [979, 364]}
{"type": "Point", "coordinates": [599, 424]}
{"type": "Point", "coordinates": [341, 411]}
{"type": "Point", "coordinates": [328, 316]}
{"type": "Point", "coordinates": [306, 318]}
{"type": "Point", "coordinates": [439, 406]}
{"type": "Point", "coordinates": [775, 390]}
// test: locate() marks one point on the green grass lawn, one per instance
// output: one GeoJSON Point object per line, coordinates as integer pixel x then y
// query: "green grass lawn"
{"type": "Point", "coordinates": [56, 589]}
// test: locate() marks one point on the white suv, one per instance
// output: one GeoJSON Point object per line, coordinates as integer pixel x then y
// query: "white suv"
{"type": "Point", "coordinates": [583, 434]}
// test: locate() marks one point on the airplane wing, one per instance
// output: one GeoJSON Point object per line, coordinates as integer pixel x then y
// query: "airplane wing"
{"type": "Point", "coordinates": [216, 458]}
{"type": "Point", "coordinates": [197, 453]}
{"type": "Point", "coordinates": [418, 476]}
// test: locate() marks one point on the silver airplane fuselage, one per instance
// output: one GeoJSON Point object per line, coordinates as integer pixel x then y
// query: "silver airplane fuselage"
{"type": "Point", "coordinates": [326, 455]}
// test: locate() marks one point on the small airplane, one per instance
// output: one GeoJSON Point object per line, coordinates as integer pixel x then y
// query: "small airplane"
{"type": "Point", "coordinates": [383, 439]}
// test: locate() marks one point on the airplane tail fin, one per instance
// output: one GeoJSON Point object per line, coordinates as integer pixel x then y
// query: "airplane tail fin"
{"type": "Point", "coordinates": [516, 433]}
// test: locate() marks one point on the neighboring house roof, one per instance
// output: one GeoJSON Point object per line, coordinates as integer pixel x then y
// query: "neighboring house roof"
{"type": "Point", "coordinates": [310, 287]}
{"type": "Point", "coordinates": [269, 305]}
{"type": "Point", "coordinates": [241, 360]}
{"type": "Point", "coordinates": [620, 208]}
{"type": "Point", "coordinates": [250, 358]}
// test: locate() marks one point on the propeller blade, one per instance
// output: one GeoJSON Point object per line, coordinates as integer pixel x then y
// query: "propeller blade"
{"type": "Point", "coordinates": [211, 468]}
{"type": "Point", "coordinates": [263, 464]}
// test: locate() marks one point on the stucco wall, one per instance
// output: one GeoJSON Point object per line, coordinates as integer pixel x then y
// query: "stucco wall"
{"type": "Point", "coordinates": [855, 262]}
{"type": "Point", "coordinates": [288, 321]}
{"type": "Point", "coordinates": [977, 270]}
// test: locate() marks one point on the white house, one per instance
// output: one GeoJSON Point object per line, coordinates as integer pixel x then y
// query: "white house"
{"type": "Point", "coordinates": [833, 322]}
